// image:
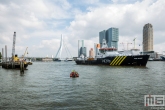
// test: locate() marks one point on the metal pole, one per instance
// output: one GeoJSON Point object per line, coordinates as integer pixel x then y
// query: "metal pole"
{"type": "Point", "coordinates": [13, 48]}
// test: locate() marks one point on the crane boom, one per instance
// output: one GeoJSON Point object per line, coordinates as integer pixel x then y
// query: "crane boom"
{"type": "Point", "coordinates": [25, 52]}
{"type": "Point", "coordinates": [126, 43]}
{"type": "Point", "coordinates": [123, 45]}
{"type": "Point", "coordinates": [13, 48]}
{"type": "Point", "coordinates": [134, 42]}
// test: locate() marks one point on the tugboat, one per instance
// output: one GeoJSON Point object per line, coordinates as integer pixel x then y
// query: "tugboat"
{"type": "Point", "coordinates": [111, 57]}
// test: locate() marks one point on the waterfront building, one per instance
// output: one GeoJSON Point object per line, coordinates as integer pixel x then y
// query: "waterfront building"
{"type": "Point", "coordinates": [96, 48]}
{"type": "Point", "coordinates": [148, 37]}
{"type": "Point", "coordinates": [91, 53]}
{"type": "Point", "coordinates": [102, 35]}
{"type": "Point", "coordinates": [111, 36]}
{"type": "Point", "coordinates": [47, 59]}
{"type": "Point", "coordinates": [83, 50]}
{"type": "Point", "coordinates": [80, 44]}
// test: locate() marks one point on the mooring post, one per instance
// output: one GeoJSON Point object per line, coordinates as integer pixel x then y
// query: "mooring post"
{"type": "Point", "coordinates": [21, 67]}
{"type": "Point", "coordinates": [13, 65]}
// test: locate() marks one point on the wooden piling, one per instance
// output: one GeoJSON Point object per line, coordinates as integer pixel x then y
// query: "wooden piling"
{"type": "Point", "coordinates": [13, 65]}
{"type": "Point", "coordinates": [21, 67]}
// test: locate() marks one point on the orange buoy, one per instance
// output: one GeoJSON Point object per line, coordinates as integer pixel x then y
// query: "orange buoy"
{"type": "Point", "coordinates": [74, 74]}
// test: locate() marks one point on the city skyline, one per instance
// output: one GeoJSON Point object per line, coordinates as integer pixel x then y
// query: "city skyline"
{"type": "Point", "coordinates": [39, 24]}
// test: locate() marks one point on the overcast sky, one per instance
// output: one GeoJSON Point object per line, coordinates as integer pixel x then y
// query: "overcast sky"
{"type": "Point", "coordinates": [39, 23]}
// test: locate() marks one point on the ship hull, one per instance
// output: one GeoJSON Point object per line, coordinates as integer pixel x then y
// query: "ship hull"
{"type": "Point", "coordinates": [57, 59]}
{"type": "Point", "coordinates": [134, 60]}
{"type": "Point", "coordinates": [9, 66]}
{"type": "Point", "coordinates": [163, 58]}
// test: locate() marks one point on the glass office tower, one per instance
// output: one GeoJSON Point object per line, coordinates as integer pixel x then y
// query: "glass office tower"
{"type": "Point", "coordinates": [111, 36]}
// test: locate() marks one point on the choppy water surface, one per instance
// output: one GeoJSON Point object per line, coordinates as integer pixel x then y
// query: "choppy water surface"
{"type": "Point", "coordinates": [47, 85]}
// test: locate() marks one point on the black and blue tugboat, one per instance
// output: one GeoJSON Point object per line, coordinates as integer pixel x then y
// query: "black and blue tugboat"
{"type": "Point", "coordinates": [111, 57]}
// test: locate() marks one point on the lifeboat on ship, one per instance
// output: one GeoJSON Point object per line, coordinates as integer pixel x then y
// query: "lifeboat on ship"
{"type": "Point", "coordinates": [74, 74]}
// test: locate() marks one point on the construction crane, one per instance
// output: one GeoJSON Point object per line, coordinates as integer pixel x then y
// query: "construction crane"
{"type": "Point", "coordinates": [13, 49]}
{"type": "Point", "coordinates": [134, 42]}
{"type": "Point", "coordinates": [123, 45]}
{"type": "Point", "coordinates": [25, 52]}
{"type": "Point", "coordinates": [126, 43]}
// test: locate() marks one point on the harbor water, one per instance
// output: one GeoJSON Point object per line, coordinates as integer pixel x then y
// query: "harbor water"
{"type": "Point", "coordinates": [48, 86]}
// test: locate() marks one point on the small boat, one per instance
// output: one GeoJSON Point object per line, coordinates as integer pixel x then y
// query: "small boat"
{"type": "Point", "coordinates": [57, 59]}
{"type": "Point", "coordinates": [74, 74]}
{"type": "Point", "coordinates": [68, 59]}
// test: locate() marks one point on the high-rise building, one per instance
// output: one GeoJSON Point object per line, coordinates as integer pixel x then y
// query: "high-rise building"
{"type": "Point", "coordinates": [102, 35]}
{"type": "Point", "coordinates": [148, 37]}
{"type": "Point", "coordinates": [96, 48]}
{"type": "Point", "coordinates": [80, 44]}
{"type": "Point", "coordinates": [111, 36]}
{"type": "Point", "coordinates": [83, 50]}
{"type": "Point", "coordinates": [91, 53]}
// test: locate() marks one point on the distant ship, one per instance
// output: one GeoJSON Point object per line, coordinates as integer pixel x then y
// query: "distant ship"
{"type": "Point", "coordinates": [109, 56]}
{"type": "Point", "coordinates": [163, 58]}
{"type": "Point", "coordinates": [68, 59]}
{"type": "Point", "coordinates": [56, 59]}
